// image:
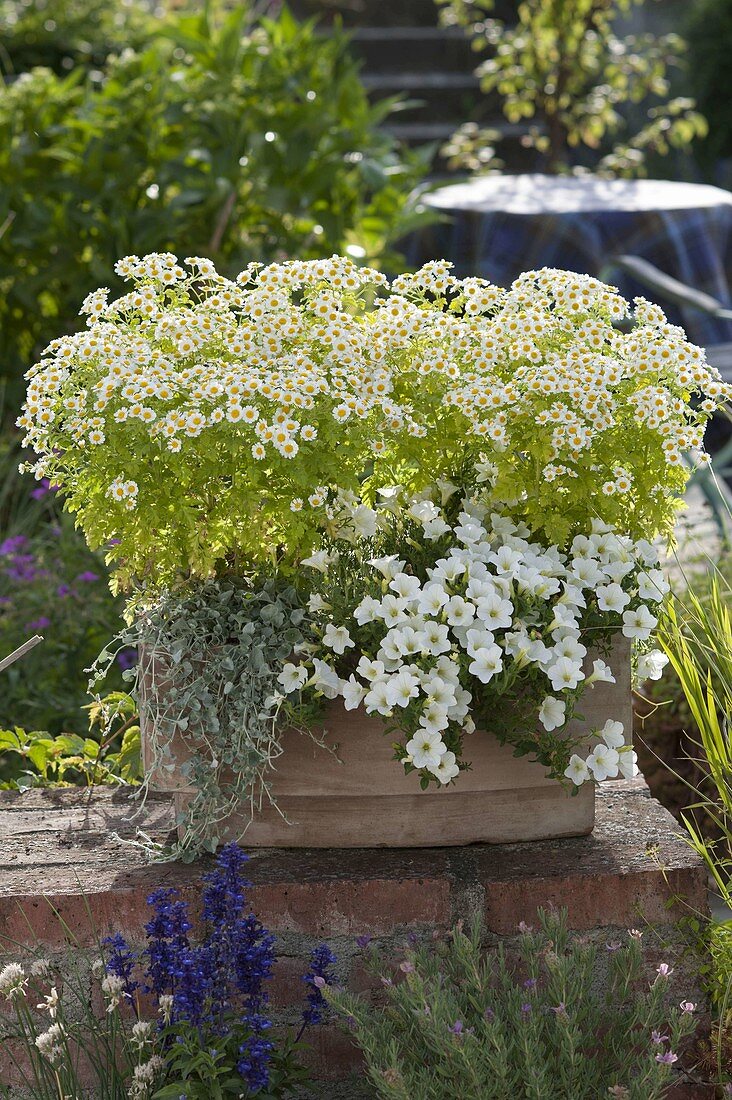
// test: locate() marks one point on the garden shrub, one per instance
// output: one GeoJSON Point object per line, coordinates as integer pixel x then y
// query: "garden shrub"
{"type": "Point", "coordinates": [459, 1021]}
{"type": "Point", "coordinates": [244, 142]}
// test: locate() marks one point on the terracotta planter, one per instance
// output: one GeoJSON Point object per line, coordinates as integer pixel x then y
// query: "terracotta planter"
{"type": "Point", "coordinates": [362, 798]}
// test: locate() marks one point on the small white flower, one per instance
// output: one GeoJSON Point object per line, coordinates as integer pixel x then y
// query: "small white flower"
{"type": "Point", "coordinates": [577, 771]}
{"type": "Point", "coordinates": [337, 638]}
{"type": "Point", "coordinates": [611, 597]}
{"type": "Point", "coordinates": [439, 691]}
{"type": "Point", "coordinates": [434, 718]}
{"type": "Point", "coordinates": [565, 674]}
{"type": "Point", "coordinates": [370, 670]}
{"type": "Point", "coordinates": [367, 611]}
{"type": "Point", "coordinates": [50, 1042]}
{"type": "Point", "coordinates": [639, 623]}
{"type": "Point", "coordinates": [292, 677]}
{"type": "Point", "coordinates": [320, 560]}
{"type": "Point", "coordinates": [613, 734]}
{"type": "Point", "coordinates": [651, 665]}
{"type": "Point", "coordinates": [447, 768]}
{"type": "Point", "coordinates": [352, 693]}
{"type": "Point", "coordinates": [570, 648]}
{"type": "Point", "coordinates": [436, 638]}
{"type": "Point", "coordinates": [402, 688]}
{"type": "Point", "coordinates": [486, 663]}
{"type": "Point", "coordinates": [494, 611]}
{"type": "Point", "coordinates": [458, 611]}
{"type": "Point", "coordinates": [376, 700]}
{"type": "Point", "coordinates": [552, 713]}
{"type": "Point", "coordinates": [601, 673]}
{"type": "Point", "coordinates": [388, 566]}
{"type": "Point", "coordinates": [393, 610]}
{"type": "Point", "coordinates": [12, 980]}
{"type": "Point", "coordinates": [326, 679]}
{"type": "Point", "coordinates": [603, 762]}
{"type": "Point", "coordinates": [425, 749]}
{"type": "Point", "coordinates": [405, 586]}
{"type": "Point", "coordinates": [317, 603]}
{"type": "Point", "coordinates": [628, 762]}
{"type": "Point", "coordinates": [432, 599]}
{"type": "Point", "coordinates": [478, 638]}
{"type": "Point", "coordinates": [653, 585]}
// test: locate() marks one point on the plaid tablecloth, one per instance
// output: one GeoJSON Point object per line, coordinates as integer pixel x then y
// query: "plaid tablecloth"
{"type": "Point", "coordinates": [498, 226]}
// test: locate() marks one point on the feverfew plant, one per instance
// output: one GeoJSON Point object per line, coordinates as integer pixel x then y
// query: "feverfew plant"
{"type": "Point", "coordinates": [205, 424]}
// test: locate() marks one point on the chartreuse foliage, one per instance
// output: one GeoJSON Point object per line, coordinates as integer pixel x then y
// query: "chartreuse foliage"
{"type": "Point", "coordinates": [464, 1021]}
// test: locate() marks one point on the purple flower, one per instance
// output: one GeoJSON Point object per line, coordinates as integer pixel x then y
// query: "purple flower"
{"type": "Point", "coordinates": [668, 1058]}
{"type": "Point", "coordinates": [88, 577]}
{"type": "Point", "coordinates": [560, 1009]}
{"type": "Point", "coordinates": [687, 1006]}
{"type": "Point", "coordinates": [664, 970]}
{"type": "Point", "coordinates": [363, 941]}
{"type": "Point", "coordinates": [525, 928]}
{"type": "Point", "coordinates": [525, 1009]}
{"type": "Point", "coordinates": [407, 967]}
{"type": "Point", "coordinates": [321, 959]}
{"type": "Point", "coordinates": [530, 983]}
{"type": "Point", "coordinates": [657, 1037]}
{"type": "Point", "coordinates": [11, 545]}
{"type": "Point", "coordinates": [44, 487]}
{"type": "Point", "coordinates": [38, 624]}
{"type": "Point", "coordinates": [121, 962]}
{"type": "Point", "coordinates": [457, 1028]}
{"type": "Point", "coordinates": [127, 658]}
{"type": "Point", "coordinates": [63, 590]}
{"type": "Point", "coordinates": [489, 1014]}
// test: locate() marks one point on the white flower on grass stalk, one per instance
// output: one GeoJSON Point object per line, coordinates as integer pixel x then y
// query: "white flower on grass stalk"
{"type": "Point", "coordinates": [352, 693]}
{"type": "Point", "coordinates": [611, 597]}
{"type": "Point", "coordinates": [50, 1003]}
{"type": "Point", "coordinates": [142, 1032]}
{"type": "Point", "coordinates": [552, 713]}
{"type": "Point", "coordinates": [486, 663]}
{"type": "Point", "coordinates": [41, 968]}
{"type": "Point", "coordinates": [577, 770]}
{"type": "Point", "coordinates": [388, 566]}
{"type": "Point", "coordinates": [601, 673]}
{"type": "Point", "coordinates": [402, 688]}
{"type": "Point", "coordinates": [603, 762]}
{"type": "Point", "coordinates": [639, 623]}
{"type": "Point", "coordinates": [651, 665]}
{"type": "Point", "coordinates": [12, 981]}
{"type": "Point", "coordinates": [613, 734]}
{"type": "Point", "coordinates": [425, 749]}
{"type": "Point", "coordinates": [112, 988]}
{"type": "Point", "coordinates": [165, 1006]}
{"type": "Point", "coordinates": [50, 1043]}
{"type": "Point", "coordinates": [292, 677]}
{"type": "Point", "coordinates": [143, 1077]}
{"type": "Point", "coordinates": [565, 674]}
{"type": "Point", "coordinates": [337, 638]}
{"type": "Point", "coordinates": [320, 561]}
{"type": "Point", "coordinates": [652, 585]}
{"type": "Point", "coordinates": [447, 768]}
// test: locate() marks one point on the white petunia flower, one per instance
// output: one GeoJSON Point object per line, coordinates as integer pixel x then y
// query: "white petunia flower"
{"type": "Point", "coordinates": [494, 611]}
{"type": "Point", "coordinates": [611, 597]}
{"type": "Point", "coordinates": [653, 585]}
{"type": "Point", "coordinates": [651, 665]}
{"type": "Point", "coordinates": [552, 713]}
{"type": "Point", "coordinates": [613, 734]}
{"type": "Point", "coordinates": [320, 560]}
{"type": "Point", "coordinates": [486, 663]}
{"type": "Point", "coordinates": [367, 611]}
{"type": "Point", "coordinates": [292, 677]}
{"type": "Point", "coordinates": [405, 586]}
{"type": "Point", "coordinates": [388, 566]}
{"type": "Point", "coordinates": [603, 762]}
{"type": "Point", "coordinates": [459, 612]}
{"type": "Point", "coordinates": [565, 674]}
{"type": "Point", "coordinates": [639, 623]}
{"type": "Point", "coordinates": [432, 599]}
{"type": "Point", "coordinates": [376, 700]}
{"type": "Point", "coordinates": [402, 688]}
{"type": "Point", "coordinates": [370, 670]}
{"type": "Point", "coordinates": [447, 768]}
{"type": "Point", "coordinates": [577, 771]}
{"type": "Point", "coordinates": [337, 638]}
{"type": "Point", "coordinates": [326, 679]}
{"type": "Point", "coordinates": [628, 762]}
{"type": "Point", "coordinates": [601, 673]}
{"type": "Point", "coordinates": [436, 638]}
{"type": "Point", "coordinates": [393, 610]}
{"type": "Point", "coordinates": [425, 749]}
{"type": "Point", "coordinates": [352, 693]}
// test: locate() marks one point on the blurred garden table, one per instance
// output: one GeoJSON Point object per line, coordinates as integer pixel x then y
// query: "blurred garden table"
{"type": "Point", "coordinates": [498, 226]}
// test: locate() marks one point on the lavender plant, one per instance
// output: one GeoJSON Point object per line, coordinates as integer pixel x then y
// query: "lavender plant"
{"type": "Point", "coordinates": [553, 1024]}
{"type": "Point", "coordinates": [210, 1034]}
